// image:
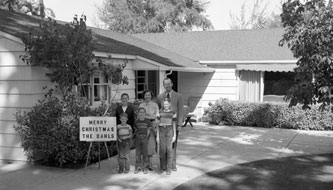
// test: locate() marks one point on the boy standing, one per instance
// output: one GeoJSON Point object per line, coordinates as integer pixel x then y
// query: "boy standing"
{"type": "Point", "coordinates": [124, 132]}
{"type": "Point", "coordinates": [141, 127]}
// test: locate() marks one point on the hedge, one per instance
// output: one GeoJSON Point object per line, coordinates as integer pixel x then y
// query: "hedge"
{"type": "Point", "coordinates": [49, 132]}
{"type": "Point", "coordinates": [268, 115]}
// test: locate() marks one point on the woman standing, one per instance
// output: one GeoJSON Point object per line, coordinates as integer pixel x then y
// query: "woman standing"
{"type": "Point", "coordinates": [152, 112]}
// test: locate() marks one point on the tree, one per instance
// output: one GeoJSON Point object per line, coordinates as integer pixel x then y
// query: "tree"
{"type": "Point", "coordinates": [32, 7]}
{"type": "Point", "coordinates": [10, 4]}
{"type": "Point", "coordinates": [309, 35]}
{"type": "Point", "coordinates": [255, 18]}
{"type": "Point", "coordinates": [143, 16]}
{"type": "Point", "coordinates": [68, 51]}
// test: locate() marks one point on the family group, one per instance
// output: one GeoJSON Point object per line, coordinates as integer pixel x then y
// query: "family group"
{"type": "Point", "coordinates": [154, 127]}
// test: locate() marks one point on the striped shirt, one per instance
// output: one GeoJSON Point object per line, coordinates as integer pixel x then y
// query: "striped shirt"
{"type": "Point", "coordinates": [166, 117]}
{"type": "Point", "coordinates": [141, 127]}
{"type": "Point", "coordinates": [123, 131]}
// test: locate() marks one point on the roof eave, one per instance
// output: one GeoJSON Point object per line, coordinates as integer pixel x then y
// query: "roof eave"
{"type": "Point", "coordinates": [234, 62]}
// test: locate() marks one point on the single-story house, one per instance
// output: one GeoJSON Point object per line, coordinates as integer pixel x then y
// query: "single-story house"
{"type": "Point", "coordinates": [242, 59]}
{"type": "Point", "coordinates": [204, 66]}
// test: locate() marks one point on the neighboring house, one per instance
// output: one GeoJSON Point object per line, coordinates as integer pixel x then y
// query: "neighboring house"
{"type": "Point", "coordinates": [22, 85]}
{"type": "Point", "coordinates": [244, 61]}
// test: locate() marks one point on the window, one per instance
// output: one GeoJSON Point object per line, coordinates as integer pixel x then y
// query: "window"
{"type": "Point", "coordinates": [276, 85]}
{"type": "Point", "coordinates": [146, 80]}
{"type": "Point", "coordinates": [96, 89]}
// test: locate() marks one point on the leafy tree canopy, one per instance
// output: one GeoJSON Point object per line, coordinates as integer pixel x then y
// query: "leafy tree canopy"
{"type": "Point", "coordinates": [254, 16]}
{"type": "Point", "coordinates": [309, 35]}
{"type": "Point", "coordinates": [153, 16]}
{"type": "Point", "coordinates": [31, 7]}
{"type": "Point", "coordinates": [68, 51]}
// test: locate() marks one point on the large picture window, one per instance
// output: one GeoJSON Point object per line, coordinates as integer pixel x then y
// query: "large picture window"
{"type": "Point", "coordinates": [277, 85]}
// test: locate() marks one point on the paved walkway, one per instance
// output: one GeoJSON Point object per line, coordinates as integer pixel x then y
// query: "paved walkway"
{"type": "Point", "coordinates": [201, 149]}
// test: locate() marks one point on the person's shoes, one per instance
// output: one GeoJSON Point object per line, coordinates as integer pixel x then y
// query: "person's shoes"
{"type": "Point", "coordinates": [120, 171]}
{"type": "Point", "coordinates": [160, 171]}
{"type": "Point", "coordinates": [168, 172]}
{"type": "Point", "coordinates": [174, 169]}
{"type": "Point", "coordinates": [150, 168]}
{"type": "Point", "coordinates": [145, 171]}
{"type": "Point", "coordinates": [126, 171]}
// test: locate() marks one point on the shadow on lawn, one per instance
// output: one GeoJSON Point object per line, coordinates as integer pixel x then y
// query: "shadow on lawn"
{"type": "Point", "coordinates": [311, 172]}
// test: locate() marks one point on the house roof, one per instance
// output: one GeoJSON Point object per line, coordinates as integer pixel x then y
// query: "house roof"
{"type": "Point", "coordinates": [104, 41]}
{"type": "Point", "coordinates": [224, 45]}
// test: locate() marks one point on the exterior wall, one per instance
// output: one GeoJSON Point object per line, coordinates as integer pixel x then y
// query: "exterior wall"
{"type": "Point", "coordinates": [202, 88]}
{"type": "Point", "coordinates": [22, 85]}
{"type": "Point", "coordinates": [20, 88]}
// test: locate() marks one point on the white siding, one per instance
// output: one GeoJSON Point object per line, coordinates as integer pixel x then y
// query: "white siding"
{"type": "Point", "coordinates": [20, 88]}
{"type": "Point", "coordinates": [208, 87]}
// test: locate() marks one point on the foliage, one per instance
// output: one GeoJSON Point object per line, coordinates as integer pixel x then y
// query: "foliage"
{"type": "Point", "coordinates": [255, 18]}
{"type": "Point", "coordinates": [268, 115]}
{"type": "Point", "coordinates": [309, 35]}
{"type": "Point", "coordinates": [31, 7]}
{"type": "Point", "coordinates": [152, 16]}
{"type": "Point", "coordinates": [50, 131]}
{"type": "Point", "coordinates": [68, 51]}
{"type": "Point", "coordinates": [114, 73]}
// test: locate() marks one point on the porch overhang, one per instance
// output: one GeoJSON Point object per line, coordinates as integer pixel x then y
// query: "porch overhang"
{"type": "Point", "coordinates": [193, 70]}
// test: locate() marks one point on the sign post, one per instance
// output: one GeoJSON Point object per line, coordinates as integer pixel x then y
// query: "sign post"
{"type": "Point", "coordinates": [98, 129]}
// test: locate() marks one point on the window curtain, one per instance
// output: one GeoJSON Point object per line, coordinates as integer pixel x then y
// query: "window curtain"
{"type": "Point", "coordinates": [249, 87]}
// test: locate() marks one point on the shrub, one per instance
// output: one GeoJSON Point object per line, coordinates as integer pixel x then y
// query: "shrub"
{"type": "Point", "coordinates": [50, 131]}
{"type": "Point", "coordinates": [225, 112]}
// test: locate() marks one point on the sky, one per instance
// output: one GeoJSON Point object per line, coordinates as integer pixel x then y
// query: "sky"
{"type": "Point", "coordinates": [218, 11]}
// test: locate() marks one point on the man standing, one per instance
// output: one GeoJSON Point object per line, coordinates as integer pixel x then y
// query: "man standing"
{"type": "Point", "coordinates": [177, 104]}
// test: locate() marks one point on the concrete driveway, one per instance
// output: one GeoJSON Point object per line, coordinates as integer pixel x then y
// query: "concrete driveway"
{"type": "Point", "coordinates": [202, 149]}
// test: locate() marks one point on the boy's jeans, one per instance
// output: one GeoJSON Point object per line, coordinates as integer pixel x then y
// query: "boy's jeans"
{"type": "Point", "coordinates": [123, 154]}
{"type": "Point", "coordinates": [166, 134]}
{"type": "Point", "coordinates": [141, 151]}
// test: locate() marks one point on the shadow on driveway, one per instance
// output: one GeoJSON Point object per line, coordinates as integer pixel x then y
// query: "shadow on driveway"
{"type": "Point", "coordinates": [310, 172]}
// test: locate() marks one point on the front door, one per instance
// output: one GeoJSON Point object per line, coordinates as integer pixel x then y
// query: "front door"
{"type": "Point", "coordinates": [174, 77]}
{"type": "Point", "coordinates": [146, 80]}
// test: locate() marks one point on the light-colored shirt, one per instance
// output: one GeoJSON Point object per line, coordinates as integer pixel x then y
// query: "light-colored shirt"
{"type": "Point", "coordinates": [124, 108]}
{"type": "Point", "coordinates": [151, 108]}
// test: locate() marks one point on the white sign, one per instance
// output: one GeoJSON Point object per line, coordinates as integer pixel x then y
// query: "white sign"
{"type": "Point", "coordinates": [98, 129]}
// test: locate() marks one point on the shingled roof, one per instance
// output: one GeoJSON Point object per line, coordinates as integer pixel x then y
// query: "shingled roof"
{"type": "Point", "coordinates": [104, 41]}
{"type": "Point", "coordinates": [224, 45]}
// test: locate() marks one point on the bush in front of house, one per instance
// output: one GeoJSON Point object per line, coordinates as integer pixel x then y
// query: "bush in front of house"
{"type": "Point", "coordinates": [50, 131]}
{"type": "Point", "coordinates": [268, 115]}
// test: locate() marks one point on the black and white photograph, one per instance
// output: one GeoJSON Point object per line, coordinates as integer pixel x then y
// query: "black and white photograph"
{"type": "Point", "coordinates": [166, 94]}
